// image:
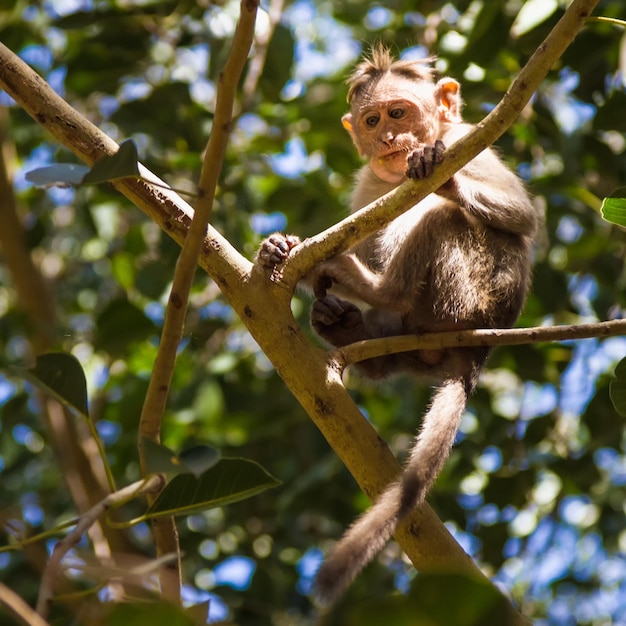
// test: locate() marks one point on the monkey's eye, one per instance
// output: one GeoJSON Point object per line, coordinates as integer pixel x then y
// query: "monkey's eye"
{"type": "Point", "coordinates": [371, 120]}
{"type": "Point", "coordinates": [396, 114]}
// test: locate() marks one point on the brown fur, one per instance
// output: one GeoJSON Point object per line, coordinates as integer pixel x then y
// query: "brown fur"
{"type": "Point", "coordinates": [459, 259]}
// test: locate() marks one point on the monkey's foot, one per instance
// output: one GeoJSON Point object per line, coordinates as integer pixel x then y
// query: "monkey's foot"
{"type": "Point", "coordinates": [337, 321]}
{"type": "Point", "coordinates": [421, 162]}
{"type": "Point", "coordinates": [275, 249]}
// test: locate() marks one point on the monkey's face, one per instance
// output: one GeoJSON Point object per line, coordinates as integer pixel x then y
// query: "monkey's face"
{"type": "Point", "coordinates": [393, 117]}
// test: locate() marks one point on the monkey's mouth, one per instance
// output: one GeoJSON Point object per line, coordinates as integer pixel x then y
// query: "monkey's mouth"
{"type": "Point", "coordinates": [388, 156]}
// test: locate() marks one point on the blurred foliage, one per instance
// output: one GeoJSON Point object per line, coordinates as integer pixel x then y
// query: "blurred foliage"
{"type": "Point", "coordinates": [535, 488]}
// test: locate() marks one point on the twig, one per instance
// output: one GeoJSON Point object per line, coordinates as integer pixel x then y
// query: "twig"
{"type": "Point", "coordinates": [22, 610]}
{"type": "Point", "coordinates": [152, 484]}
{"type": "Point", "coordinates": [262, 42]}
{"type": "Point", "coordinates": [371, 348]}
{"type": "Point", "coordinates": [164, 529]}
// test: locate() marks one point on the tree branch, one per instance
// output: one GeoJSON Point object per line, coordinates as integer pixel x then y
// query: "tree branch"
{"type": "Point", "coordinates": [379, 213]}
{"type": "Point", "coordinates": [371, 348]}
{"type": "Point", "coordinates": [22, 610]}
{"type": "Point", "coordinates": [313, 378]}
{"type": "Point", "coordinates": [151, 485]}
{"type": "Point", "coordinates": [165, 534]}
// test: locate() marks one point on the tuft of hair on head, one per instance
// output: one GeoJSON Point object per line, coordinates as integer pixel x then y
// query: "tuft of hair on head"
{"type": "Point", "coordinates": [381, 62]}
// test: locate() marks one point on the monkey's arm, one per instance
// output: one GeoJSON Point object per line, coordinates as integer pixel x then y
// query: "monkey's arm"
{"type": "Point", "coordinates": [350, 278]}
{"type": "Point", "coordinates": [487, 189]}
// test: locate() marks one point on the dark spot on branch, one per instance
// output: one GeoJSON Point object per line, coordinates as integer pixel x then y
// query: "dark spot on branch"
{"type": "Point", "coordinates": [176, 300]}
{"type": "Point", "coordinates": [323, 407]}
{"type": "Point", "coordinates": [248, 312]}
{"type": "Point", "coordinates": [414, 529]}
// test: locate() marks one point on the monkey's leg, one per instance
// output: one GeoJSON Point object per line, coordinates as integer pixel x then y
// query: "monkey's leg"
{"type": "Point", "coordinates": [338, 321]}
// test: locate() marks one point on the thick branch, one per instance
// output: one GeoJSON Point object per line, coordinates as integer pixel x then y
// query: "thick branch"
{"type": "Point", "coordinates": [371, 348]}
{"type": "Point", "coordinates": [90, 144]}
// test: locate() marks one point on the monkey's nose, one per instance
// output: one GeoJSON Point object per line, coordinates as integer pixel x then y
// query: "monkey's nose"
{"type": "Point", "coordinates": [388, 139]}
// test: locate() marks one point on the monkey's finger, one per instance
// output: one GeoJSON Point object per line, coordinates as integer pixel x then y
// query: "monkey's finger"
{"type": "Point", "coordinates": [292, 241]}
{"type": "Point", "coordinates": [321, 285]}
{"type": "Point", "coordinates": [439, 150]}
{"type": "Point", "coordinates": [322, 314]}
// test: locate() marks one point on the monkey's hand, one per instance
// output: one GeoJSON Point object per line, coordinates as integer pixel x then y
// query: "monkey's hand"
{"type": "Point", "coordinates": [337, 321]}
{"type": "Point", "coordinates": [421, 162]}
{"type": "Point", "coordinates": [275, 249]}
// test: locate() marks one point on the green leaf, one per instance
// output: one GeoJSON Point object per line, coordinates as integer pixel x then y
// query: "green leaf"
{"type": "Point", "coordinates": [229, 481]}
{"type": "Point", "coordinates": [162, 460]}
{"type": "Point", "coordinates": [200, 458]}
{"type": "Point", "coordinates": [617, 388]}
{"type": "Point", "coordinates": [61, 375]}
{"type": "Point", "coordinates": [160, 613]}
{"type": "Point", "coordinates": [120, 324]}
{"type": "Point", "coordinates": [58, 175]}
{"type": "Point", "coordinates": [122, 164]}
{"type": "Point", "coordinates": [477, 603]}
{"type": "Point", "coordinates": [614, 207]}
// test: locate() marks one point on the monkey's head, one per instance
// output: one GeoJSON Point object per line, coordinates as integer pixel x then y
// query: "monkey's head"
{"type": "Point", "coordinates": [395, 106]}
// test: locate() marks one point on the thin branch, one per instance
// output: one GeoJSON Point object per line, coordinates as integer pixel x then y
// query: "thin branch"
{"type": "Point", "coordinates": [153, 484]}
{"type": "Point", "coordinates": [379, 213]}
{"type": "Point", "coordinates": [33, 293]}
{"type": "Point", "coordinates": [371, 348]}
{"type": "Point", "coordinates": [261, 46]}
{"type": "Point", "coordinates": [23, 611]}
{"type": "Point", "coordinates": [165, 534]}
{"type": "Point", "coordinates": [158, 390]}
{"type": "Point", "coordinates": [608, 20]}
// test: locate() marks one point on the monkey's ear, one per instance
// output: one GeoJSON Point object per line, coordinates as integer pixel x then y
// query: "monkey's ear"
{"type": "Point", "coordinates": [346, 120]}
{"type": "Point", "coordinates": [448, 94]}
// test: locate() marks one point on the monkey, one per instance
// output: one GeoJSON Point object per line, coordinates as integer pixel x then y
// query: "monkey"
{"type": "Point", "coordinates": [459, 259]}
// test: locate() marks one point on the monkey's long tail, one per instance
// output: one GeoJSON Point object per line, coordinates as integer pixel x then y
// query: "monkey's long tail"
{"type": "Point", "coordinates": [369, 534]}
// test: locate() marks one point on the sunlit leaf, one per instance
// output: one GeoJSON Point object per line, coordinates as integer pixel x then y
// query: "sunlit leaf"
{"type": "Point", "coordinates": [58, 175]}
{"type": "Point", "coordinates": [617, 389]}
{"type": "Point", "coordinates": [614, 207]}
{"type": "Point", "coordinates": [119, 165]}
{"type": "Point", "coordinates": [229, 481]}
{"type": "Point", "coordinates": [531, 14]}
{"type": "Point", "coordinates": [61, 375]}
